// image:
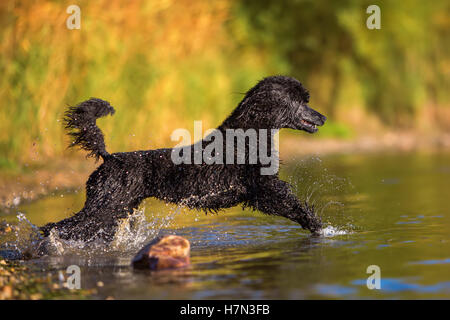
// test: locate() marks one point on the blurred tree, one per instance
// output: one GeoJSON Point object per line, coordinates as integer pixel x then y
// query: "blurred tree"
{"type": "Point", "coordinates": [398, 68]}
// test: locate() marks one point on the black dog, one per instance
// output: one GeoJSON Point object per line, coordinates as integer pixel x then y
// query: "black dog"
{"type": "Point", "coordinates": [120, 184]}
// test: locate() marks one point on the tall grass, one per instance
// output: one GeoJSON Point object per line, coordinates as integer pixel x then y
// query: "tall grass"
{"type": "Point", "coordinates": [160, 63]}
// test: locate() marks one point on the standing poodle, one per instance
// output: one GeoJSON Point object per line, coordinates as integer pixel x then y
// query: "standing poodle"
{"type": "Point", "coordinates": [119, 185]}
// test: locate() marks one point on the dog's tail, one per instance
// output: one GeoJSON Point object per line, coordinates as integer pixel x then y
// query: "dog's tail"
{"type": "Point", "coordinates": [81, 121]}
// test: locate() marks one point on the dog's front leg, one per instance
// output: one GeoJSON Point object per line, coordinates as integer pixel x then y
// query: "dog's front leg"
{"type": "Point", "coordinates": [275, 197]}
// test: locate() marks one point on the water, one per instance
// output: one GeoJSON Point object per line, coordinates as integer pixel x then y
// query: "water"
{"type": "Point", "coordinates": [388, 210]}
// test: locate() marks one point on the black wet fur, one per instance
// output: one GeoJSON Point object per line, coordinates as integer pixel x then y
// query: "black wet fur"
{"type": "Point", "coordinates": [119, 185]}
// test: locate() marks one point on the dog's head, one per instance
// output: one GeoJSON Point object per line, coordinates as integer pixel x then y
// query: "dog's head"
{"type": "Point", "coordinates": [277, 102]}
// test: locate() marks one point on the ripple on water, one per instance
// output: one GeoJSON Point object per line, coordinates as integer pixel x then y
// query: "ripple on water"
{"type": "Point", "coordinates": [403, 284]}
{"type": "Point", "coordinates": [433, 261]}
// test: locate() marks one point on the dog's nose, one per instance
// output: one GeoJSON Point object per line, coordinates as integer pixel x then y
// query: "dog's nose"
{"type": "Point", "coordinates": [320, 118]}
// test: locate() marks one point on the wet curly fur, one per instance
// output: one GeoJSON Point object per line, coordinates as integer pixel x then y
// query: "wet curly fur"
{"type": "Point", "coordinates": [119, 185]}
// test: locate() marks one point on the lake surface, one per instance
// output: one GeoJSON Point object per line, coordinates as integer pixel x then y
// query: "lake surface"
{"type": "Point", "coordinates": [388, 210]}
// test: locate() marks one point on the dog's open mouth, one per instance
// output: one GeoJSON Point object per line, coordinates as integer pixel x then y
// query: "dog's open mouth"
{"type": "Point", "coordinates": [308, 126]}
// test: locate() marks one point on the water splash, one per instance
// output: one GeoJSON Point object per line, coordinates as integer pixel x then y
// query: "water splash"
{"type": "Point", "coordinates": [133, 232]}
{"type": "Point", "coordinates": [27, 238]}
{"type": "Point", "coordinates": [312, 181]}
{"type": "Point", "coordinates": [331, 231]}
{"type": "Point", "coordinates": [136, 230]}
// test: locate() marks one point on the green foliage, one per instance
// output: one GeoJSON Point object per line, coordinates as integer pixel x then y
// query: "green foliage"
{"type": "Point", "coordinates": [400, 68]}
{"type": "Point", "coordinates": [8, 164]}
{"type": "Point", "coordinates": [336, 130]}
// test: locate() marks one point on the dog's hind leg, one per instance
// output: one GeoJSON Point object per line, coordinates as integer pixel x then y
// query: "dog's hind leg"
{"type": "Point", "coordinates": [91, 224]}
{"type": "Point", "coordinates": [82, 226]}
{"type": "Point", "coordinates": [274, 197]}
{"type": "Point", "coordinates": [111, 195]}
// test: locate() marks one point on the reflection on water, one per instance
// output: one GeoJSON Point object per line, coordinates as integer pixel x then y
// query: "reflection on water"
{"type": "Point", "coordinates": [389, 210]}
